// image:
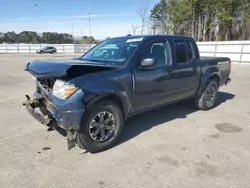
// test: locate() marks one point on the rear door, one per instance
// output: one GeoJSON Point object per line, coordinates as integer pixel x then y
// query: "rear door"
{"type": "Point", "coordinates": [50, 49]}
{"type": "Point", "coordinates": [187, 73]}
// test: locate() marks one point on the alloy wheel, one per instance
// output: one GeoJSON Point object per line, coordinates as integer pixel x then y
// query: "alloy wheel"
{"type": "Point", "coordinates": [210, 95]}
{"type": "Point", "coordinates": [102, 126]}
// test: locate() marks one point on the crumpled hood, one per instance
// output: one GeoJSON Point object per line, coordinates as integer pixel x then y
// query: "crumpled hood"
{"type": "Point", "coordinates": [62, 68]}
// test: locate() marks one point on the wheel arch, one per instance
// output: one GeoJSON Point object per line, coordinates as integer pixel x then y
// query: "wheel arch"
{"type": "Point", "coordinates": [121, 101]}
{"type": "Point", "coordinates": [216, 77]}
{"type": "Point", "coordinates": [211, 74]}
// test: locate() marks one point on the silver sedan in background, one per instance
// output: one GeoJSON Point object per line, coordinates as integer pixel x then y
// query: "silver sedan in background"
{"type": "Point", "coordinates": [47, 49]}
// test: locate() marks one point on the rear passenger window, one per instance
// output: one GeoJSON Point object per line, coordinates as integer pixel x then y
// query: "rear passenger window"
{"type": "Point", "coordinates": [183, 50]}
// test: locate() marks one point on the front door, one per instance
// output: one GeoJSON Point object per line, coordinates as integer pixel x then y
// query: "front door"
{"type": "Point", "coordinates": [47, 49]}
{"type": "Point", "coordinates": [153, 84]}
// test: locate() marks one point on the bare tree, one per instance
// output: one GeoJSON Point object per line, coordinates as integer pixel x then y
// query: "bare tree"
{"type": "Point", "coordinates": [199, 28]}
{"type": "Point", "coordinates": [134, 28]}
{"type": "Point", "coordinates": [142, 12]}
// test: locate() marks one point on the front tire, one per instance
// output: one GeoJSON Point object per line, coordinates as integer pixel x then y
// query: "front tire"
{"type": "Point", "coordinates": [101, 127]}
{"type": "Point", "coordinates": [41, 52]}
{"type": "Point", "coordinates": [208, 98]}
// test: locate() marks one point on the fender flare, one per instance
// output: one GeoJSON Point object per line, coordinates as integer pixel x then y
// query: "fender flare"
{"type": "Point", "coordinates": [211, 73]}
{"type": "Point", "coordinates": [121, 100]}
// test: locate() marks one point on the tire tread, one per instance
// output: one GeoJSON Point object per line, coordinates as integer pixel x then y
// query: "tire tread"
{"type": "Point", "coordinates": [199, 103]}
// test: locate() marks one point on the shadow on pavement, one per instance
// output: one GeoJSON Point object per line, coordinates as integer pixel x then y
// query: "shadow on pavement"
{"type": "Point", "coordinates": [223, 97]}
{"type": "Point", "coordinates": [145, 121]}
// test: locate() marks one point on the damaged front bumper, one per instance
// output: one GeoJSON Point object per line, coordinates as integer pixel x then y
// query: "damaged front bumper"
{"type": "Point", "coordinates": [34, 113]}
{"type": "Point", "coordinates": [67, 114]}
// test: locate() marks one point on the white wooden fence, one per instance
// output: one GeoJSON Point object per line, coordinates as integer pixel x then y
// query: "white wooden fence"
{"type": "Point", "coordinates": [31, 48]}
{"type": "Point", "coordinates": [238, 51]}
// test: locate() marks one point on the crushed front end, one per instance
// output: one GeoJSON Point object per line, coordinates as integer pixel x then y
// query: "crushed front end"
{"type": "Point", "coordinates": [53, 111]}
{"type": "Point", "coordinates": [59, 99]}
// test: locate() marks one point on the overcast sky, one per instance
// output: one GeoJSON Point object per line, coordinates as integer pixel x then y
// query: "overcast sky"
{"type": "Point", "coordinates": [108, 17]}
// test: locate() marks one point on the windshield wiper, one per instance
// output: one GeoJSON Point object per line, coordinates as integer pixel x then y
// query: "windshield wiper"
{"type": "Point", "coordinates": [93, 60]}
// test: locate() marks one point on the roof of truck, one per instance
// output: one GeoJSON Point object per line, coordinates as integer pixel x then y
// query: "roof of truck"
{"type": "Point", "coordinates": [153, 36]}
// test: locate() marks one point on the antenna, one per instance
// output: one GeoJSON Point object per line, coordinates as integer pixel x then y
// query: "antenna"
{"type": "Point", "coordinates": [89, 20]}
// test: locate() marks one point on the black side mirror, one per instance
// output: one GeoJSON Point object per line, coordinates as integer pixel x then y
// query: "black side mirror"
{"type": "Point", "coordinates": [149, 62]}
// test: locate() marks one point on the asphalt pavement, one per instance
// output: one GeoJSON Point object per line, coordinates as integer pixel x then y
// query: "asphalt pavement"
{"type": "Point", "coordinates": [175, 146]}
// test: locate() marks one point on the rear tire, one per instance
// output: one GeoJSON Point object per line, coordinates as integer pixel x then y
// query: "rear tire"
{"type": "Point", "coordinates": [208, 98]}
{"type": "Point", "coordinates": [41, 52]}
{"type": "Point", "coordinates": [89, 138]}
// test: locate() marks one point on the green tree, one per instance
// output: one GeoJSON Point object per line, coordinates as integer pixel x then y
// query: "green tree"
{"type": "Point", "coordinates": [10, 37]}
{"type": "Point", "coordinates": [2, 35]}
{"type": "Point", "coordinates": [33, 37]}
{"type": "Point", "coordinates": [159, 17]}
{"type": "Point", "coordinates": [203, 19]}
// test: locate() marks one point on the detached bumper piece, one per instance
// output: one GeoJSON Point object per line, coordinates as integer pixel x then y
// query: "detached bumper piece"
{"type": "Point", "coordinates": [71, 139]}
{"type": "Point", "coordinates": [31, 105]}
{"type": "Point", "coordinates": [228, 81]}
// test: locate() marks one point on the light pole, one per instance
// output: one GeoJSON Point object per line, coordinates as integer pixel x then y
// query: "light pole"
{"type": "Point", "coordinates": [81, 36]}
{"type": "Point", "coordinates": [72, 29]}
{"type": "Point", "coordinates": [89, 20]}
{"type": "Point", "coordinates": [72, 25]}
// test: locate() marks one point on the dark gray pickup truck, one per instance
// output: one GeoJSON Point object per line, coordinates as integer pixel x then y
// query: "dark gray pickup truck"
{"type": "Point", "coordinates": [90, 97]}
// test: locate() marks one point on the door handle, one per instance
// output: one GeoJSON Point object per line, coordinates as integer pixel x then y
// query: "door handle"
{"type": "Point", "coordinates": [169, 71]}
{"type": "Point", "coordinates": [165, 76]}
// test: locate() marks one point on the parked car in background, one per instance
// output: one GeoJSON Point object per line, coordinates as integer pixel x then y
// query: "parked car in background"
{"type": "Point", "coordinates": [47, 49]}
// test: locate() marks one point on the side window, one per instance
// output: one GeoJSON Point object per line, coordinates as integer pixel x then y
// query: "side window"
{"type": "Point", "coordinates": [159, 51]}
{"type": "Point", "coordinates": [183, 51]}
{"type": "Point", "coordinates": [189, 51]}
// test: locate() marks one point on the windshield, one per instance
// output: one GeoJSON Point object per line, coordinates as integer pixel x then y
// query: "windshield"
{"type": "Point", "coordinates": [113, 51]}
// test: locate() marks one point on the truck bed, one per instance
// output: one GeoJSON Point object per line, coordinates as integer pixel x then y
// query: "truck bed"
{"type": "Point", "coordinates": [204, 58]}
{"type": "Point", "coordinates": [223, 63]}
